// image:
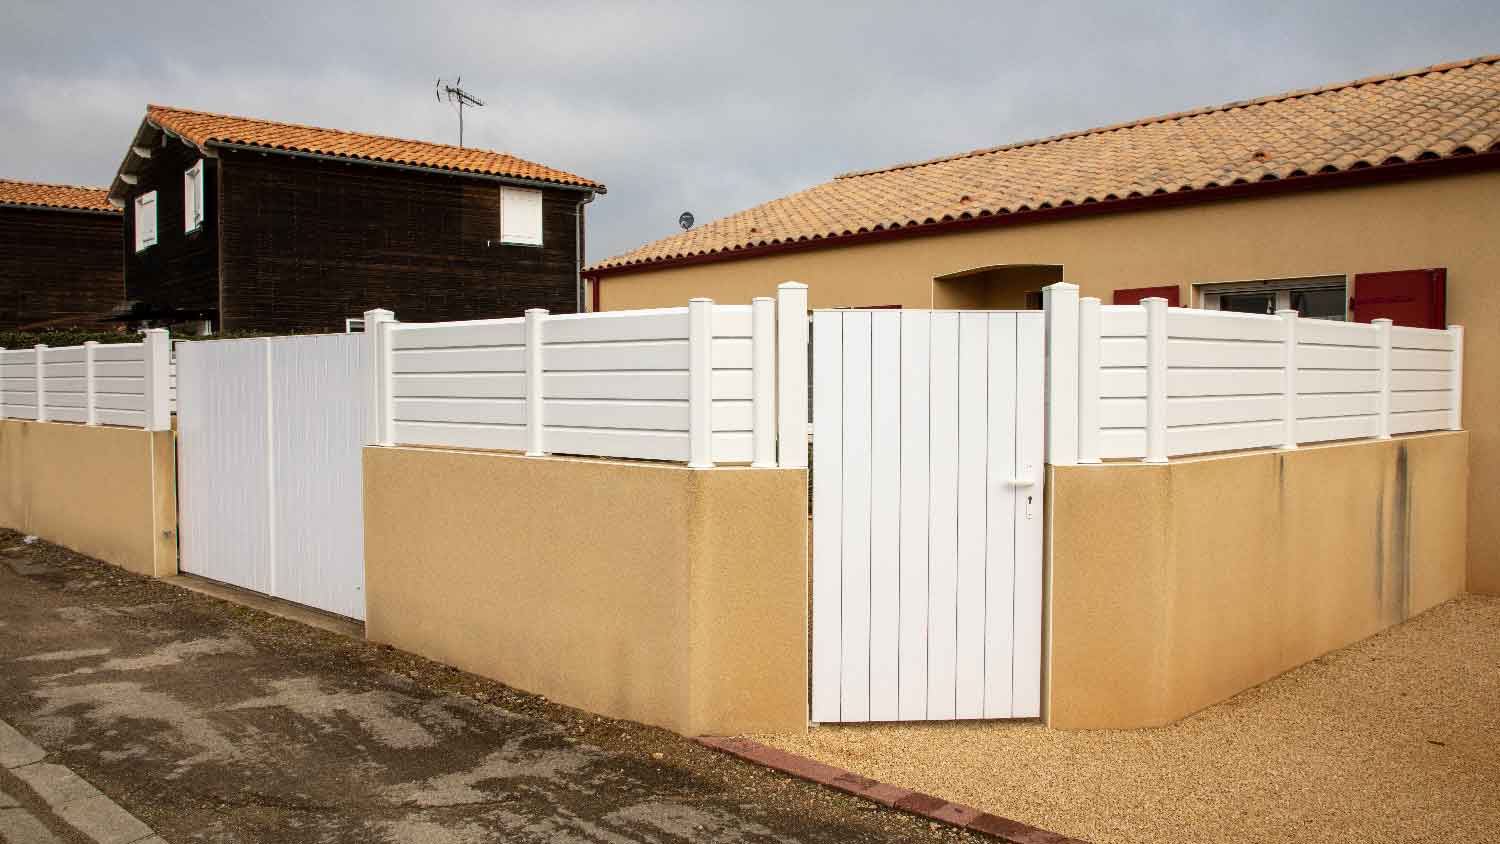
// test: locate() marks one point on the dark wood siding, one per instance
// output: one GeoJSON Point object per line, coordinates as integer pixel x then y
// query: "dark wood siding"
{"type": "Point", "coordinates": [181, 271]}
{"type": "Point", "coordinates": [307, 243]}
{"type": "Point", "coordinates": [58, 265]}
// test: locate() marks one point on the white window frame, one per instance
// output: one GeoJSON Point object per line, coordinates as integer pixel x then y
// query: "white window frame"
{"type": "Point", "coordinates": [1206, 293]}
{"type": "Point", "coordinates": [143, 203]}
{"type": "Point", "coordinates": [519, 232]}
{"type": "Point", "coordinates": [192, 197]}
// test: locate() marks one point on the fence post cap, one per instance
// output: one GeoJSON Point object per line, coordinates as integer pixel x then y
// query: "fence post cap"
{"type": "Point", "coordinates": [1088, 300]}
{"type": "Point", "coordinates": [1382, 321]}
{"type": "Point", "coordinates": [763, 299]}
{"type": "Point", "coordinates": [376, 314]}
{"type": "Point", "coordinates": [91, 342]}
{"type": "Point", "coordinates": [791, 285]}
{"type": "Point", "coordinates": [701, 299]}
{"type": "Point", "coordinates": [542, 311]}
{"type": "Point", "coordinates": [1288, 312]}
{"type": "Point", "coordinates": [40, 346]}
{"type": "Point", "coordinates": [1061, 286]}
{"type": "Point", "coordinates": [1457, 328]}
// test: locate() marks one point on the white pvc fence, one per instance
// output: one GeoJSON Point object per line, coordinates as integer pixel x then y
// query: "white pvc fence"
{"type": "Point", "coordinates": [697, 384]}
{"type": "Point", "coordinates": [1153, 382]}
{"type": "Point", "coordinates": [126, 384]}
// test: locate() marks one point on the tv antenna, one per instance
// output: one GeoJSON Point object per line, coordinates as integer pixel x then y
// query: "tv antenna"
{"type": "Point", "coordinates": [459, 98]}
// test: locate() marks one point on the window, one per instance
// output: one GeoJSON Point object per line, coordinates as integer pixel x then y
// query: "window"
{"type": "Point", "coordinates": [521, 216]}
{"type": "Point", "coordinates": [192, 197]}
{"type": "Point", "coordinates": [1316, 297]}
{"type": "Point", "coordinates": [145, 220]}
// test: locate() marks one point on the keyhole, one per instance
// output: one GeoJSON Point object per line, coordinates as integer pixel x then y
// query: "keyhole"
{"type": "Point", "coordinates": [1028, 506]}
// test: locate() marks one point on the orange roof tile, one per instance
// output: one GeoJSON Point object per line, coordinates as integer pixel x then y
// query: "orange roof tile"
{"type": "Point", "coordinates": [1434, 112]}
{"type": "Point", "coordinates": [203, 129]}
{"type": "Point", "coordinates": [68, 197]}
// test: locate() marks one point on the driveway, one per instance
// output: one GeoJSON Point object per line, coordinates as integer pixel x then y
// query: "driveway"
{"type": "Point", "coordinates": [217, 723]}
{"type": "Point", "coordinates": [1392, 739]}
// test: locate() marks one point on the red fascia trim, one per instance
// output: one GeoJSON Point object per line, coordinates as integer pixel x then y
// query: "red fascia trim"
{"type": "Point", "coordinates": [1468, 163]}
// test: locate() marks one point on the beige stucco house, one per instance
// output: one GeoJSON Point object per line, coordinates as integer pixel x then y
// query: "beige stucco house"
{"type": "Point", "coordinates": [1378, 197]}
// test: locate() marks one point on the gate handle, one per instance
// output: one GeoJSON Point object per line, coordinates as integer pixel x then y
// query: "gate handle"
{"type": "Point", "coordinates": [1020, 482]}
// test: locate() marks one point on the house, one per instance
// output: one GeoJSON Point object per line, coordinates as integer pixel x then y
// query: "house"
{"type": "Point", "coordinates": [239, 223]}
{"type": "Point", "coordinates": [60, 262]}
{"type": "Point", "coordinates": [1363, 199]}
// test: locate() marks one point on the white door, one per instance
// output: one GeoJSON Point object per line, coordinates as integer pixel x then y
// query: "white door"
{"type": "Point", "coordinates": [270, 488]}
{"type": "Point", "coordinates": [927, 515]}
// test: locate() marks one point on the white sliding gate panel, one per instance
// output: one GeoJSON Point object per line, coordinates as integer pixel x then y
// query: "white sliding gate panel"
{"type": "Point", "coordinates": [927, 519]}
{"type": "Point", "coordinates": [270, 489]}
{"type": "Point", "coordinates": [224, 461]}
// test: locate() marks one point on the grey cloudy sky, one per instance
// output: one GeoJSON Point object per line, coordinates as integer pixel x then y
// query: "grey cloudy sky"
{"type": "Point", "coordinates": [698, 106]}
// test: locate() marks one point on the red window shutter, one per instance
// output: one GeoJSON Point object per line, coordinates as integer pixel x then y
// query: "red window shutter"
{"type": "Point", "coordinates": [1134, 295]}
{"type": "Point", "coordinates": [1406, 297]}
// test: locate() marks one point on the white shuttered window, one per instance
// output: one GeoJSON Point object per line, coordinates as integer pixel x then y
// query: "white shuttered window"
{"type": "Point", "coordinates": [521, 216]}
{"type": "Point", "coordinates": [192, 197]}
{"type": "Point", "coordinates": [145, 220]}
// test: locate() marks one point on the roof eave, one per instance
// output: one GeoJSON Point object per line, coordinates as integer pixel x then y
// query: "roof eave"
{"type": "Point", "coordinates": [420, 168]}
{"type": "Point", "coordinates": [1429, 168]}
{"type": "Point", "coordinates": [32, 206]}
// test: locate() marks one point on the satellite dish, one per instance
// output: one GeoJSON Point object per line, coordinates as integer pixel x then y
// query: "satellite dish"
{"type": "Point", "coordinates": [686, 220]}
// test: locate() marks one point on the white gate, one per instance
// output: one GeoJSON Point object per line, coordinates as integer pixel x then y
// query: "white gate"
{"type": "Point", "coordinates": [927, 515]}
{"type": "Point", "coordinates": [270, 489]}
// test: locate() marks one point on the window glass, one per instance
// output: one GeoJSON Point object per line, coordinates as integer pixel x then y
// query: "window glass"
{"type": "Point", "coordinates": [1248, 303]}
{"type": "Point", "coordinates": [1327, 303]}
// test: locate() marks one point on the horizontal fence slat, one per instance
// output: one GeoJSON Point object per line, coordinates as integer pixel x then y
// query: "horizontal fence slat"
{"type": "Point", "coordinates": [1206, 439]}
{"type": "Point", "coordinates": [615, 326]}
{"type": "Point", "coordinates": [1330, 333]}
{"type": "Point", "coordinates": [1224, 382]}
{"type": "Point", "coordinates": [65, 414]}
{"type": "Point", "coordinates": [65, 400]}
{"type": "Point", "coordinates": [120, 352]}
{"type": "Point", "coordinates": [460, 359]}
{"type": "Point", "coordinates": [510, 332]}
{"type": "Point", "coordinates": [120, 369]}
{"type": "Point", "coordinates": [486, 411]}
{"type": "Point", "coordinates": [128, 418]}
{"type": "Point", "coordinates": [1122, 383]}
{"type": "Point", "coordinates": [640, 445]}
{"type": "Point", "coordinates": [1122, 413]}
{"type": "Point", "coordinates": [1421, 359]}
{"type": "Point", "coordinates": [1337, 428]}
{"type": "Point", "coordinates": [118, 401]}
{"type": "Point", "coordinates": [1337, 357]}
{"type": "Point", "coordinates": [1406, 337]}
{"type": "Point", "coordinates": [460, 435]}
{"type": "Point", "coordinates": [1122, 321]}
{"type": "Point", "coordinates": [1337, 381]}
{"type": "Point", "coordinates": [1121, 443]}
{"type": "Point", "coordinates": [1422, 420]}
{"type": "Point", "coordinates": [1418, 379]}
{"type": "Point", "coordinates": [1219, 325]}
{"type": "Point", "coordinates": [1220, 409]}
{"type": "Point", "coordinates": [1409, 401]}
{"type": "Point", "coordinates": [1337, 404]}
{"type": "Point", "coordinates": [1122, 351]}
{"type": "Point", "coordinates": [1222, 353]}
{"type": "Point", "coordinates": [64, 354]}
{"type": "Point", "coordinates": [474, 386]}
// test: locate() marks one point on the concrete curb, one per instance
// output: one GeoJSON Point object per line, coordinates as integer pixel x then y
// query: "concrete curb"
{"type": "Point", "coordinates": [71, 797]}
{"type": "Point", "coordinates": [904, 799]}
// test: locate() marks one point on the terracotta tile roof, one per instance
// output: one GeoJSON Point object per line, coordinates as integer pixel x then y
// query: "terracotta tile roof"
{"type": "Point", "coordinates": [1434, 112]}
{"type": "Point", "coordinates": [203, 129]}
{"type": "Point", "coordinates": [55, 196]}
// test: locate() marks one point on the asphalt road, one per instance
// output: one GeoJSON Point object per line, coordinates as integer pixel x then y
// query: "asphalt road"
{"type": "Point", "coordinates": [216, 723]}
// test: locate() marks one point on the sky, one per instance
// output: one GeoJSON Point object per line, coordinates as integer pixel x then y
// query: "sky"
{"type": "Point", "coordinates": [676, 107]}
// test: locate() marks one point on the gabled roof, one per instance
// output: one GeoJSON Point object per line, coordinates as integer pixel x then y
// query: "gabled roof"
{"type": "Point", "coordinates": [65, 197]}
{"type": "Point", "coordinates": [1435, 112]}
{"type": "Point", "coordinates": [206, 130]}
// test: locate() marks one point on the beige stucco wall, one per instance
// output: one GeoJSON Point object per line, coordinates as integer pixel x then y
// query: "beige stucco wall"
{"type": "Point", "coordinates": [1447, 222]}
{"type": "Point", "coordinates": [652, 592]}
{"type": "Point", "coordinates": [110, 493]}
{"type": "Point", "coordinates": [1174, 586]}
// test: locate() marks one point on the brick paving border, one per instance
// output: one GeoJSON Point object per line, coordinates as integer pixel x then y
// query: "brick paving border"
{"type": "Point", "coordinates": [904, 799]}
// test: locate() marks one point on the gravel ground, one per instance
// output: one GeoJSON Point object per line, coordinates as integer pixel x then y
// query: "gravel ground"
{"type": "Point", "coordinates": [1393, 739]}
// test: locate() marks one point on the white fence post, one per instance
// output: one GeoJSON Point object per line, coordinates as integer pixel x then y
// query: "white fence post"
{"type": "Point", "coordinates": [536, 320]}
{"type": "Point", "coordinates": [1090, 326]}
{"type": "Point", "coordinates": [700, 383]}
{"type": "Point", "coordinates": [377, 376]}
{"type": "Point", "coordinates": [40, 352]}
{"type": "Point", "coordinates": [1456, 410]}
{"type": "Point", "coordinates": [91, 412]}
{"type": "Point", "coordinates": [1383, 422]}
{"type": "Point", "coordinates": [157, 349]}
{"type": "Point", "coordinates": [1289, 317]}
{"type": "Point", "coordinates": [791, 375]}
{"type": "Point", "coordinates": [763, 380]}
{"type": "Point", "coordinates": [1060, 301]}
{"type": "Point", "coordinates": [1156, 379]}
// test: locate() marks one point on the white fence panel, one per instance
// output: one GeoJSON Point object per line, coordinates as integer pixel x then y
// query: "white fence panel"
{"type": "Point", "coordinates": [680, 384]}
{"type": "Point", "coordinates": [927, 435]}
{"type": "Point", "coordinates": [124, 384]}
{"type": "Point", "coordinates": [1154, 382]}
{"type": "Point", "coordinates": [270, 489]}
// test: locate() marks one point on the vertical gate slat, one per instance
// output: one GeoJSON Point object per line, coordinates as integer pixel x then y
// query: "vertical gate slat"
{"type": "Point", "coordinates": [916, 340]}
{"type": "Point", "coordinates": [828, 508]}
{"type": "Point", "coordinates": [885, 513]}
{"type": "Point", "coordinates": [943, 525]}
{"type": "Point", "coordinates": [854, 697]}
{"type": "Point", "coordinates": [1031, 401]}
{"type": "Point", "coordinates": [973, 442]}
{"type": "Point", "coordinates": [1000, 574]}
